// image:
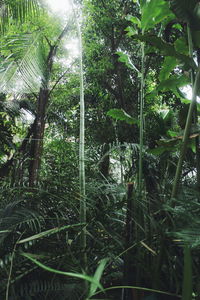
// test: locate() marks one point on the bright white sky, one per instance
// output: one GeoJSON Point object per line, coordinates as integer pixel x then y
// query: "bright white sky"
{"type": "Point", "coordinates": [61, 7]}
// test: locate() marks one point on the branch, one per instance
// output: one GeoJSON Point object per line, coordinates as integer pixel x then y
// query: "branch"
{"type": "Point", "coordinates": [53, 48]}
{"type": "Point", "coordinates": [48, 42]}
{"type": "Point", "coordinates": [57, 81]}
{"type": "Point", "coordinates": [65, 30]}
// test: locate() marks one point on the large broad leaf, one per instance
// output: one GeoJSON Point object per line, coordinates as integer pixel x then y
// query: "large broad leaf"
{"type": "Point", "coordinates": [174, 82]}
{"type": "Point", "coordinates": [173, 144]}
{"type": "Point", "coordinates": [166, 49]}
{"type": "Point", "coordinates": [168, 66]}
{"type": "Point", "coordinates": [120, 114]}
{"type": "Point", "coordinates": [187, 11]}
{"type": "Point", "coordinates": [153, 12]}
{"type": "Point", "coordinates": [181, 46]}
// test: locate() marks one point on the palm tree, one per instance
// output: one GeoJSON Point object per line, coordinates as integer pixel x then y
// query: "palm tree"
{"type": "Point", "coordinates": [27, 70]}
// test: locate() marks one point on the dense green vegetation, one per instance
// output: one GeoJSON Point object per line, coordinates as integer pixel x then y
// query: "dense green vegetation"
{"type": "Point", "coordinates": [100, 154]}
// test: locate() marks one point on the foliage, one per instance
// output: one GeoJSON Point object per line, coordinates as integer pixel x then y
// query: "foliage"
{"type": "Point", "coordinates": [136, 67]}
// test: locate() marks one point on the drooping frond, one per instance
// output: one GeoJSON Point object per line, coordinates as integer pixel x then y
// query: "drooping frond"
{"type": "Point", "coordinates": [185, 212]}
{"type": "Point", "coordinates": [23, 70]}
{"type": "Point", "coordinates": [17, 11]}
{"type": "Point", "coordinates": [16, 218]}
{"type": "Point", "coordinates": [41, 288]}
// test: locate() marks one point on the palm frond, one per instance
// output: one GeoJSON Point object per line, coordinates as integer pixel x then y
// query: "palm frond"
{"type": "Point", "coordinates": [25, 71]}
{"type": "Point", "coordinates": [185, 211]}
{"type": "Point", "coordinates": [17, 11]}
{"type": "Point", "coordinates": [15, 219]}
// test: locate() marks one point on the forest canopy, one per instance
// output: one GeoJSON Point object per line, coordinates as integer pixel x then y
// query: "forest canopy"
{"type": "Point", "coordinates": [99, 149]}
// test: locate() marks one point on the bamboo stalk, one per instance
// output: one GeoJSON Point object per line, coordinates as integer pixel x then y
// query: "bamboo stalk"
{"type": "Point", "coordinates": [142, 83]}
{"type": "Point", "coordinates": [82, 155]}
{"type": "Point", "coordinates": [186, 136]}
{"type": "Point", "coordinates": [83, 208]}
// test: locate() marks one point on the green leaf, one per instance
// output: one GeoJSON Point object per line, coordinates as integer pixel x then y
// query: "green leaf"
{"type": "Point", "coordinates": [192, 145]}
{"type": "Point", "coordinates": [131, 31]}
{"type": "Point", "coordinates": [153, 12]}
{"type": "Point", "coordinates": [187, 11]}
{"type": "Point", "coordinates": [181, 46]}
{"type": "Point", "coordinates": [166, 49]}
{"type": "Point", "coordinates": [19, 11]}
{"type": "Point", "coordinates": [174, 82]}
{"type": "Point", "coordinates": [28, 66]}
{"type": "Point", "coordinates": [76, 275]}
{"type": "Point", "coordinates": [160, 150]}
{"type": "Point", "coordinates": [172, 133]}
{"type": "Point", "coordinates": [120, 114]}
{"type": "Point", "coordinates": [48, 232]}
{"type": "Point", "coordinates": [125, 59]}
{"type": "Point", "coordinates": [168, 66]}
{"type": "Point", "coordinates": [185, 101]}
{"type": "Point", "coordinates": [169, 142]}
{"type": "Point", "coordinates": [134, 20]}
{"type": "Point", "coordinates": [97, 276]}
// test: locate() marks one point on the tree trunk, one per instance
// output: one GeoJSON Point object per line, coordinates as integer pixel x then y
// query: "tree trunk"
{"type": "Point", "coordinates": [43, 99]}
{"type": "Point", "coordinates": [37, 140]}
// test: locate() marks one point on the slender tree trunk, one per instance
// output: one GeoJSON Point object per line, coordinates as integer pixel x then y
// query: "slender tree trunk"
{"type": "Point", "coordinates": [82, 155]}
{"type": "Point", "coordinates": [37, 140]}
{"type": "Point", "coordinates": [83, 206]}
{"type": "Point", "coordinates": [43, 99]}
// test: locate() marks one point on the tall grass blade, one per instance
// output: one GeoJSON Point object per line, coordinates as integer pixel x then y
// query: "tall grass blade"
{"type": "Point", "coordinates": [97, 276]}
{"type": "Point", "coordinates": [76, 275]}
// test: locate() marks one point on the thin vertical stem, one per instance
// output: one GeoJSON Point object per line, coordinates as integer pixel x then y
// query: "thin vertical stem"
{"type": "Point", "coordinates": [186, 136]}
{"type": "Point", "coordinates": [190, 43]}
{"type": "Point", "coordinates": [83, 207]}
{"type": "Point", "coordinates": [142, 83]}
{"type": "Point", "coordinates": [195, 82]}
{"type": "Point", "coordinates": [82, 154]}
